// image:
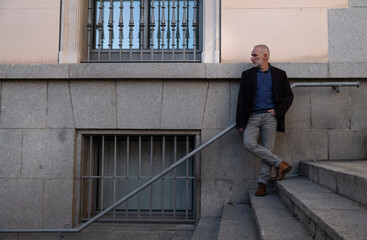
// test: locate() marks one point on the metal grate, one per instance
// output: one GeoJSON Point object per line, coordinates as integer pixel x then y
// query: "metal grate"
{"type": "Point", "coordinates": [115, 165]}
{"type": "Point", "coordinates": [143, 30]}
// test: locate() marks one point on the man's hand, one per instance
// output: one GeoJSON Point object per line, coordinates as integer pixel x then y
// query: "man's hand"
{"type": "Point", "coordinates": [240, 129]}
{"type": "Point", "coordinates": [272, 111]}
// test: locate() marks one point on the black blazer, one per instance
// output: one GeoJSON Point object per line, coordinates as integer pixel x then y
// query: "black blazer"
{"type": "Point", "coordinates": [282, 94]}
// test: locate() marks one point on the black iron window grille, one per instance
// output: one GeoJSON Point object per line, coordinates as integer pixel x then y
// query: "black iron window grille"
{"type": "Point", "coordinates": [115, 165]}
{"type": "Point", "coordinates": [144, 30]}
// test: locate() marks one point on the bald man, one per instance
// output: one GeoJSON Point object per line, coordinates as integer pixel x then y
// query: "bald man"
{"type": "Point", "coordinates": [263, 100]}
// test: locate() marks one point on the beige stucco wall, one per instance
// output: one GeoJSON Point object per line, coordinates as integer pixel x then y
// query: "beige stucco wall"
{"type": "Point", "coordinates": [30, 31]}
{"type": "Point", "coordinates": [295, 31]}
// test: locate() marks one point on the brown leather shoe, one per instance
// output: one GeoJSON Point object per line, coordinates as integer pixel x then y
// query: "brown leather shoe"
{"type": "Point", "coordinates": [282, 170]}
{"type": "Point", "coordinates": [261, 190]}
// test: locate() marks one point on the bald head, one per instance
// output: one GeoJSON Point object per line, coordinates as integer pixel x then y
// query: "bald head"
{"type": "Point", "coordinates": [260, 57]}
{"type": "Point", "coordinates": [264, 49]}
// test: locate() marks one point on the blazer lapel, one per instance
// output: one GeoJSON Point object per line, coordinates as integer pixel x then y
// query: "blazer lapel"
{"type": "Point", "coordinates": [254, 79]}
{"type": "Point", "coordinates": [275, 82]}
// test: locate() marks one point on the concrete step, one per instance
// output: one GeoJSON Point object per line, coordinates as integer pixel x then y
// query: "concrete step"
{"type": "Point", "coordinates": [326, 214]}
{"type": "Point", "coordinates": [115, 231]}
{"type": "Point", "coordinates": [237, 223]}
{"type": "Point", "coordinates": [347, 178]}
{"type": "Point", "coordinates": [275, 221]}
{"type": "Point", "coordinates": [207, 229]}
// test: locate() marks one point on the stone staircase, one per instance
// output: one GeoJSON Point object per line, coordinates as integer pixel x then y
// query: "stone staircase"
{"type": "Point", "coordinates": [331, 201]}
{"type": "Point", "coordinates": [275, 221]}
{"type": "Point", "coordinates": [327, 203]}
{"type": "Point", "coordinates": [346, 178]}
{"type": "Point", "coordinates": [237, 223]}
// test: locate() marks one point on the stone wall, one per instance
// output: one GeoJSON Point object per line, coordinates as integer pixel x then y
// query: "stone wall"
{"type": "Point", "coordinates": [40, 156]}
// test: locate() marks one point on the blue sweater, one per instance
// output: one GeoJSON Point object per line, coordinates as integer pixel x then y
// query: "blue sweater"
{"type": "Point", "coordinates": [264, 92]}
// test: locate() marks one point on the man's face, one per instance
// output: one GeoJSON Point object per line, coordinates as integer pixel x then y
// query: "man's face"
{"type": "Point", "coordinates": [257, 57]}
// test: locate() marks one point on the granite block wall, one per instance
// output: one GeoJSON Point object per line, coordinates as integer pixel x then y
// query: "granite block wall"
{"type": "Point", "coordinates": [36, 155]}
{"type": "Point", "coordinates": [40, 144]}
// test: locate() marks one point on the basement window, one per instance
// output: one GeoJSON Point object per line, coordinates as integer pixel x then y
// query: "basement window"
{"type": "Point", "coordinates": [115, 165]}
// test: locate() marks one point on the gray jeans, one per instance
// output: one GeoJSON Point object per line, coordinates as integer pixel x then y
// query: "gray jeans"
{"type": "Point", "coordinates": [266, 124]}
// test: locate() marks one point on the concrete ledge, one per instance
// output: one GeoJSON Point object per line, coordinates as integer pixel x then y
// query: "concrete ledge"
{"type": "Point", "coordinates": [173, 70]}
{"type": "Point", "coordinates": [348, 70]}
{"type": "Point", "coordinates": [272, 215]}
{"type": "Point", "coordinates": [34, 71]}
{"type": "Point", "coordinates": [137, 70]}
{"type": "Point", "coordinates": [347, 178]}
{"type": "Point", "coordinates": [237, 223]}
{"type": "Point", "coordinates": [304, 70]}
{"type": "Point", "coordinates": [326, 214]}
{"type": "Point", "coordinates": [207, 229]}
{"type": "Point", "coordinates": [225, 70]}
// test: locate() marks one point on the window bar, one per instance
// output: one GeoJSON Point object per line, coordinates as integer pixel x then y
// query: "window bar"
{"type": "Point", "coordinates": [110, 30]}
{"type": "Point", "coordinates": [142, 26]}
{"type": "Point", "coordinates": [131, 25]}
{"type": "Point", "coordinates": [194, 27]}
{"type": "Point", "coordinates": [127, 172]}
{"type": "Point", "coordinates": [168, 36]}
{"type": "Point", "coordinates": [187, 23]}
{"type": "Point", "coordinates": [139, 176]}
{"type": "Point", "coordinates": [173, 25]}
{"type": "Point", "coordinates": [159, 24]}
{"type": "Point", "coordinates": [102, 171]}
{"type": "Point", "coordinates": [100, 29]}
{"type": "Point", "coordinates": [184, 28]}
{"type": "Point", "coordinates": [196, 172]}
{"type": "Point", "coordinates": [163, 160]}
{"type": "Point", "coordinates": [90, 174]}
{"type": "Point", "coordinates": [121, 25]}
{"type": "Point", "coordinates": [114, 173]}
{"type": "Point", "coordinates": [151, 175]}
{"type": "Point", "coordinates": [174, 176]}
{"type": "Point", "coordinates": [152, 26]}
{"type": "Point", "coordinates": [187, 179]}
{"type": "Point", "coordinates": [178, 25]}
{"type": "Point", "coordinates": [89, 28]}
{"type": "Point", "coordinates": [163, 25]}
{"type": "Point", "coordinates": [82, 175]}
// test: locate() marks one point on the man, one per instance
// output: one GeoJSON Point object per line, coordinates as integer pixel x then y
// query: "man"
{"type": "Point", "coordinates": [263, 100]}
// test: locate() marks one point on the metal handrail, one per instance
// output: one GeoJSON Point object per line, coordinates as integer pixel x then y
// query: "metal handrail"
{"type": "Point", "coordinates": [127, 197]}
{"type": "Point", "coordinates": [167, 170]}
{"type": "Point", "coordinates": [335, 85]}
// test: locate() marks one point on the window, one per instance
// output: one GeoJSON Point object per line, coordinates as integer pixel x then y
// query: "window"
{"type": "Point", "coordinates": [143, 30]}
{"type": "Point", "coordinates": [115, 165]}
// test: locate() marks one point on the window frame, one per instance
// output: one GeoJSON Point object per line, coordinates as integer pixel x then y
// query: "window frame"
{"type": "Point", "coordinates": [146, 54]}
{"type": "Point", "coordinates": [196, 171]}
